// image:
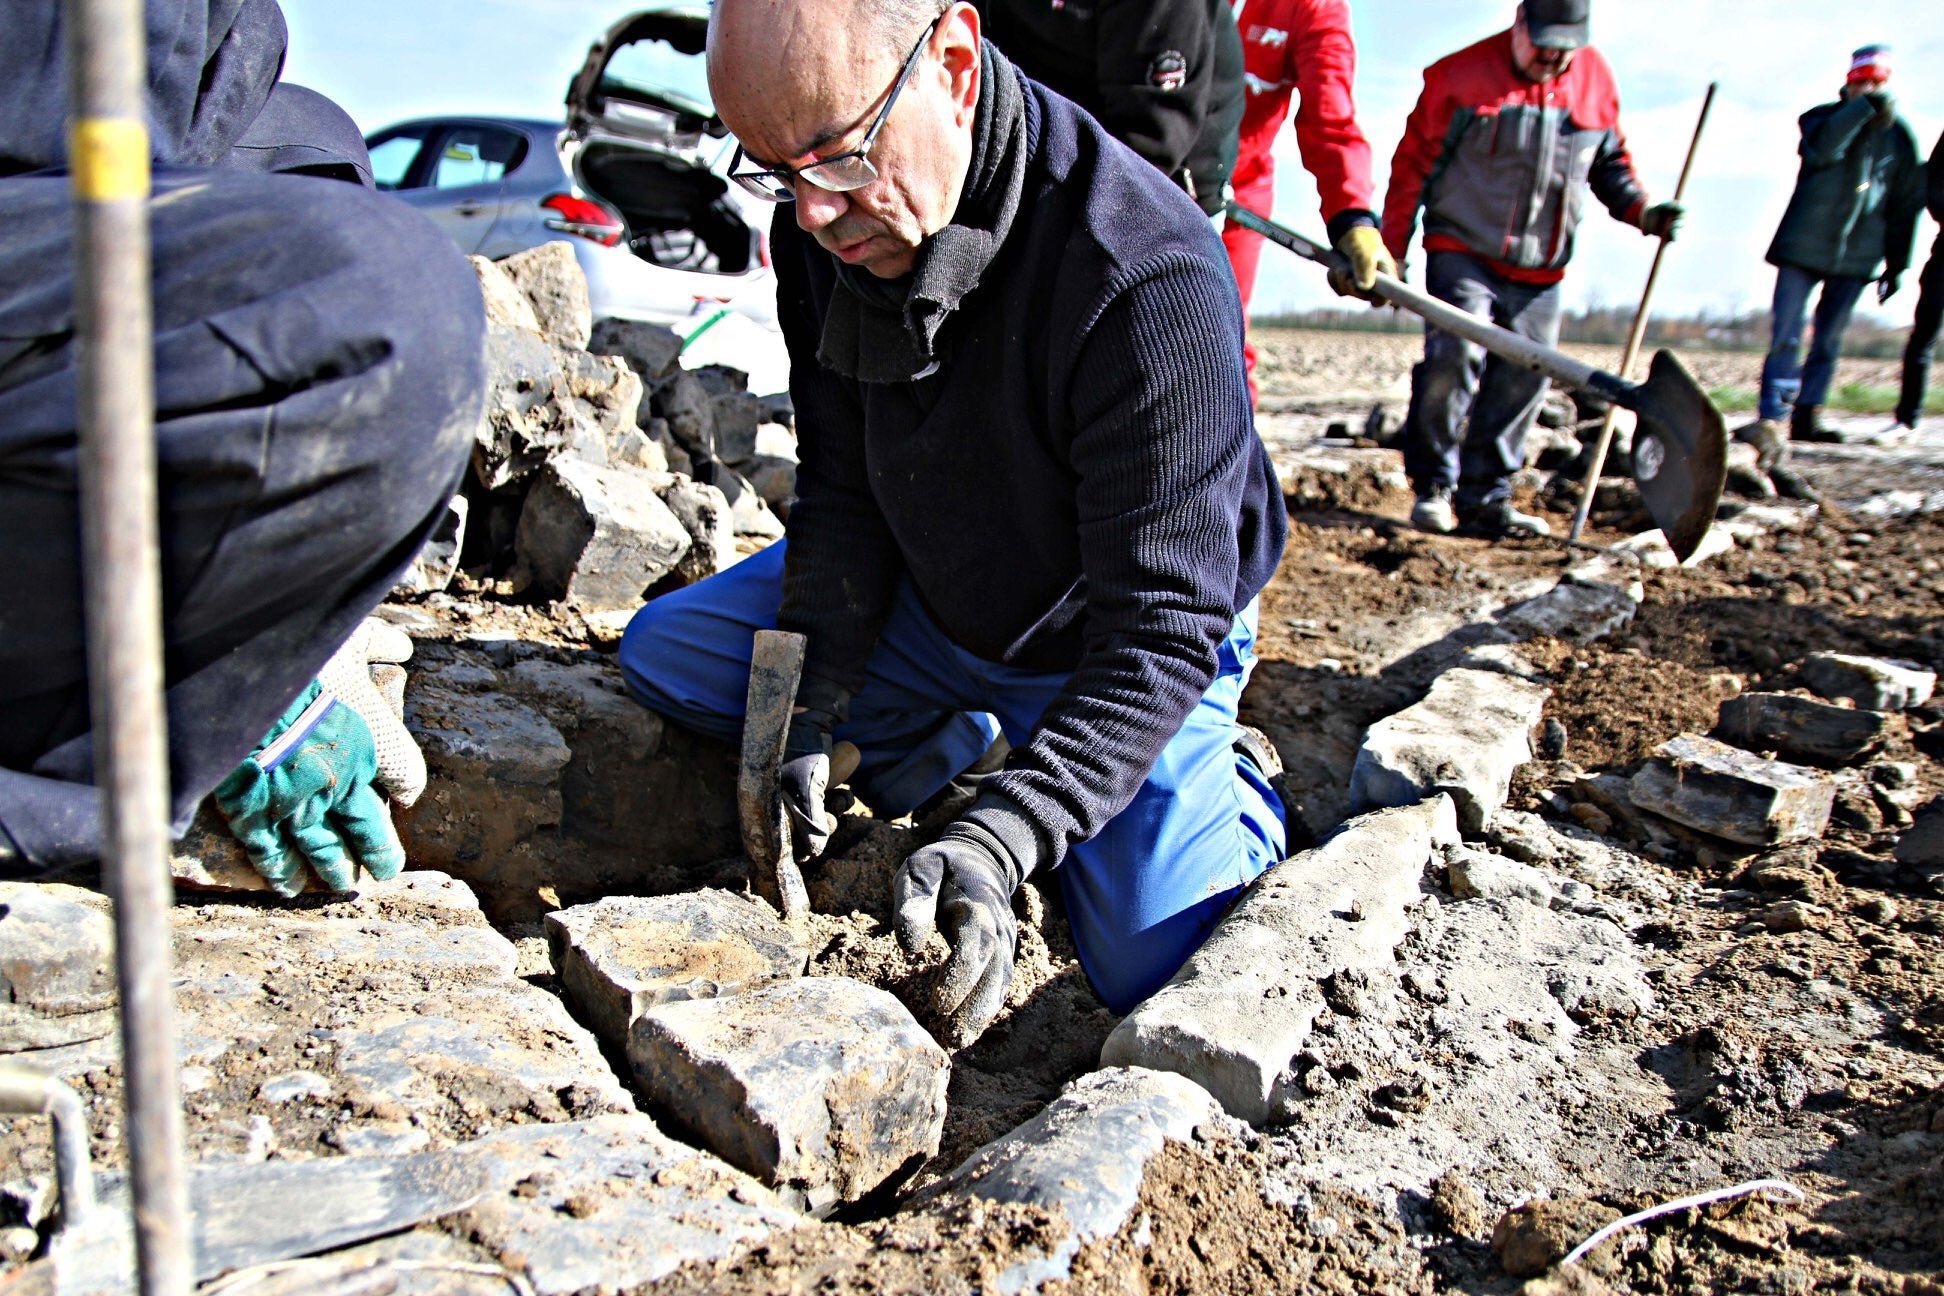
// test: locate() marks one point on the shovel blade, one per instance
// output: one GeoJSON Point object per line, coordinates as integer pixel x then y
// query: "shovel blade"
{"type": "Point", "coordinates": [1680, 453]}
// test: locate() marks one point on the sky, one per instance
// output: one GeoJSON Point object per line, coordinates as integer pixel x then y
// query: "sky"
{"type": "Point", "coordinates": [386, 60]}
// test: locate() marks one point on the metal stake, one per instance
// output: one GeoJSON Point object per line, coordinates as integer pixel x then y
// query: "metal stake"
{"type": "Point", "coordinates": [108, 152]}
{"type": "Point", "coordinates": [1635, 336]}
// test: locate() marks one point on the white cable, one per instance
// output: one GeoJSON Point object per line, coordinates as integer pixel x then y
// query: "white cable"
{"type": "Point", "coordinates": [1684, 1203]}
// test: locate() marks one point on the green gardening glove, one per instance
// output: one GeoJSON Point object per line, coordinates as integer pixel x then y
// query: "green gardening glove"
{"type": "Point", "coordinates": [306, 796]}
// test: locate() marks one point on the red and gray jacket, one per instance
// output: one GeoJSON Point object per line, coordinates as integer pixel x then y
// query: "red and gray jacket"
{"type": "Point", "coordinates": [1501, 165]}
{"type": "Point", "coordinates": [1304, 47]}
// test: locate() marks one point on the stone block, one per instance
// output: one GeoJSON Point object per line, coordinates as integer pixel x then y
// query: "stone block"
{"type": "Point", "coordinates": [823, 1088]}
{"type": "Point", "coordinates": [705, 514]}
{"type": "Point", "coordinates": [686, 404]}
{"type": "Point", "coordinates": [520, 427]}
{"type": "Point", "coordinates": [1873, 683]}
{"type": "Point", "coordinates": [1922, 844]}
{"type": "Point", "coordinates": [1465, 739]}
{"type": "Point", "coordinates": [597, 538]}
{"type": "Point", "coordinates": [1581, 613]}
{"type": "Point", "coordinates": [1083, 1157]}
{"type": "Point", "coordinates": [623, 955]}
{"type": "Point", "coordinates": [1728, 793]}
{"type": "Point", "coordinates": [506, 305]}
{"type": "Point", "coordinates": [1800, 727]}
{"type": "Point", "coordinates": [753, 517]}
{"type": "Point", "coordinates": [650, 350]}
{"type": "Point", "coordinates": [554, 284]}
{"type": "Point", "coordinates": [611, 1204]}
{"type": "Point", "coordinates": [494, 767]}
{"type": "Point", "coordinates": [438, 560]}
{"type": "Point", "coordinates": [57, 968]}
{"type": "Point", "coordinates": [1477, 874]}
{"type": "Point", "coordinates": [737, 416]}
{"type": "Point", "coordinates": [1242, 1006]}
{"type": "Point", "coordinates": [774, 478]}
{"type": "Point", "coordinates": [1652, 549]}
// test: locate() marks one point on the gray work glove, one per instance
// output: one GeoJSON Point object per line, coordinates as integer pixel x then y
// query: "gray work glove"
{"type": "Point", "coordinates": [804, 780]}
{"type": "Point", "coordinates": [962, 885]}
{"type": "Point", "coordinates": [1662, 220]}
{"type": "Point", "coordinates": [368, 675]}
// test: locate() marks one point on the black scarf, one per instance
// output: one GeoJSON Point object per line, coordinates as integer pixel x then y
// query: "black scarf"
{"type": "Point", "coordinates": [886, 330]}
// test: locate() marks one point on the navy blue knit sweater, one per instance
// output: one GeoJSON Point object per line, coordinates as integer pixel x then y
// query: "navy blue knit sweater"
{"type": "Point", "coordinates": [1078, 487]}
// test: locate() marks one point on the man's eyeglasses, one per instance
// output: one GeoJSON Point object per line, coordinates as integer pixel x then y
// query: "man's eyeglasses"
{"type": "Point", "coordinates": [840, 174]}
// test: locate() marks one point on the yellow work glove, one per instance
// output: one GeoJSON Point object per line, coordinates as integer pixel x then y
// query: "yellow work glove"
{"type": "Point", "coordinates": [1363, 247]}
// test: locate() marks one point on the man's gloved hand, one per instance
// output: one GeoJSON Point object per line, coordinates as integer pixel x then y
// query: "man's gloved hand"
{"type": "Point", "coordinates": [306, 795]}
{"type": "Point", "coordinates": [367, 676]}
{"type": "Point", "coordinates": [1363, 247]}
{"type": "Point", "coordinates": [1885, 104]}
{"type": "Point", "coordinates": [804, 780]}
{"type": "Point", "coordinates": [962, 885]}
{"type": "Point", "coordinates": [1887, 288]}
{"type": "Point", "coordinates": [1662, 220]}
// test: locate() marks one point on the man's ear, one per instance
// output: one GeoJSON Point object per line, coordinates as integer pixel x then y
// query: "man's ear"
{"type": "Point", "coordinates": [958, 35]}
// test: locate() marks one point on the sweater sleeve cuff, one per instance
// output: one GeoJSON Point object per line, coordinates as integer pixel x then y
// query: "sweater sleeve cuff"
{"type": "Point", "coordinates": [1348, 219]}
{"type": "Point", "coordinates": [1013, 827]}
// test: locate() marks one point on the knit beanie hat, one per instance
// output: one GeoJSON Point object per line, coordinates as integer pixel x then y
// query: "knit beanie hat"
{"type": "Point", "coordinates": [1871, 63]}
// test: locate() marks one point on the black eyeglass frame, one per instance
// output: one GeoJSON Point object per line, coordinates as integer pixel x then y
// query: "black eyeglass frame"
{"type": "Point", "coordinates": [780, 189]}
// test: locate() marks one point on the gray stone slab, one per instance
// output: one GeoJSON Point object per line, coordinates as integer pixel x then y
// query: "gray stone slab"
{"type": "Point", "coordinates": [1578, 612]}
{"type": "Point", "coordinates": [1084, 1156]}
{"type": "Point", "coordinates": [554, 284]}
{"type": "Point", "coordinates": [506, 305]}
{"type": "Point", "coordinates": [57, 968]}
{"type": "Point", "coordinates": [1799, 727]}
{"type": "Point", "coordinates": [1477, 874]}
{"type": "Point", "coordinates": [1873, 683]}
{"type": "Point", "coordinates": [611, 1204]}
{"type": "Point", "coordinates": [1465, 738]}
{"type": "Point", "coordinates": [1731, 794]}
{"type": "Point", "coordinates": [822, 1087]}
{"type": "Point", "coordinates": [596, 538]}
{"type": "Point", "coordinates": [623, 955]}
{"type": "Point", "coordinates": [1241, 1008]}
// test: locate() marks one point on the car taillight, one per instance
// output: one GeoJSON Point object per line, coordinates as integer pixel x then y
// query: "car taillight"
{"type": "Point", "coordinates": [585, 218]}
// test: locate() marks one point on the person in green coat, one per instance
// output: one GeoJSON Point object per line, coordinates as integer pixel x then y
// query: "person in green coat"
{"type": "Point", "coordinates": [1851, 219]}
{"type": "Point", "coordinates": [1930, 301]}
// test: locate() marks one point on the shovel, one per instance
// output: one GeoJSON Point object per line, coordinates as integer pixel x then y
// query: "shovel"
{"type": "Point", "coordinates": [1680, 444]}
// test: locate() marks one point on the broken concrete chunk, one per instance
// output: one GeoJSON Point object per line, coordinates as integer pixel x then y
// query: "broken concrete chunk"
{"type": "Point", "coordinates": [557, 288]}
{"type": "Point", "coordinates": [705, 514]}
{"type": "Point", "coordinates": [611, 1204]}
{"type": "Point", "coordinates": [597, 538]}
{"type": "Point", "coordinates": [1243, 1004]}
{"type": "Point", "coordinates": [823, 1087]}
{"type": "Point", "coordinates": [1085, 1156]}
{"type": "Point", "coordinates": [625, 954]}
{"type": "Point", "coordinates": [1479, 874]}
{"type": "Point", "coordinates": [57, 968]}
{"type": "Point", "coordinates": [1800, 727]}
{"type": "Point", "coordinates": [1581, 613]}
{"type": "Point", "coordinates": [1468, 735]}
{"type": "Point", "coordinates": [506, 305]}
{"type": "Point", "coordinates": [1873, 683]}
{"type": "Point", "coordinates": [1728, 793]}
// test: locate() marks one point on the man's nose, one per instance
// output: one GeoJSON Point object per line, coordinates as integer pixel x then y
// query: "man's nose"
{"type": "Point", "coordinates": [817, 207]}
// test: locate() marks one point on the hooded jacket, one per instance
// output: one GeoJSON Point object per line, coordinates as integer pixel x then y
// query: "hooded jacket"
{"type": "Point", "coordinates": [1860, 186]}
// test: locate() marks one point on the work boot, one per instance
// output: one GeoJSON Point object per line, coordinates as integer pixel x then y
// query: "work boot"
{"type": "Point", "coordinates": [1771, 447]}
{"type": "Point", "coordinates": [1806, 425]}
{"type": "Point", "coordinates": [1500, 521]}
{"type": "Point", "coordinates": [1433, 513]}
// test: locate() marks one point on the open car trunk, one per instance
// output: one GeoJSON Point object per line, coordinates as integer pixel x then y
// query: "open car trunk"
{"type": "Point", "coordinates": [679, 214]}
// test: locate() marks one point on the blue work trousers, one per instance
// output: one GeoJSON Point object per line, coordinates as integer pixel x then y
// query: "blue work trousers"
{"type": "Point", "coordinates": [1788, 380]}
{"type": "Point", "coordinates": [1142, 894]}
{"type": "Point", "coordinates": [1470, 410]}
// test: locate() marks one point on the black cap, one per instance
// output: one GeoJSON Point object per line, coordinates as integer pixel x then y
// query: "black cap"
{"type": "Point", "coordinates": [1557, 24]}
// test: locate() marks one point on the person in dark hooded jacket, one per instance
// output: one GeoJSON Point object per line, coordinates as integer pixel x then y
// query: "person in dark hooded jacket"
{"type": "Point", "coordinates": [1851, 219]}
{"type": "Point", "coordinates": [1930, 302]}
{"type": "Point", "coordinates": [319, 370]}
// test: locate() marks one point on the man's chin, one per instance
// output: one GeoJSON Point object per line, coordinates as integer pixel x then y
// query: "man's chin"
{"type": "Point", "coordinates": [877, 255]}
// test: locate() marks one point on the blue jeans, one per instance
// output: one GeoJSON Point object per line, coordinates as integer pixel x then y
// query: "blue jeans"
{"type": "Point", "coordinates": [1470, 410]}
{"type": "Point", "coordinates": [1786, 379]}
{"type": "Point", "coordinates": [1142, 894]}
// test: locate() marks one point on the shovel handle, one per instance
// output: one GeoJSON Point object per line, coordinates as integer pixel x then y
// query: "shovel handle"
{"type": "Point", "coordinates": [1502, 343]}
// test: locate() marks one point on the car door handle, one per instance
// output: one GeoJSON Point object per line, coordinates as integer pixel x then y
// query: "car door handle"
{"type": "Point", "coordinates": [468, 208]}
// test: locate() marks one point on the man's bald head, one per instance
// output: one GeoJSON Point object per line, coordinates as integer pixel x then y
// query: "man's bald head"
{"type": "Point", "coordinates": [802, 81]}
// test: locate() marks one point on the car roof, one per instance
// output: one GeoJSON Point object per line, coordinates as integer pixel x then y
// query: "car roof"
{"type": "Point", "coordinates": [536, 124]}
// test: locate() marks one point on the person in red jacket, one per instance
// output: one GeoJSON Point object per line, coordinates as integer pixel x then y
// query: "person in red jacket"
{"type": "Point", "coordinates": [1304, 47]}
{"type": "Point", "coordinates": [1500, 152]}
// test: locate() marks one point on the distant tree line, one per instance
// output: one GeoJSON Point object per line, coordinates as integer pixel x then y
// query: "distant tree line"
{"type": "Point", "coordinates": [1596, 324]}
